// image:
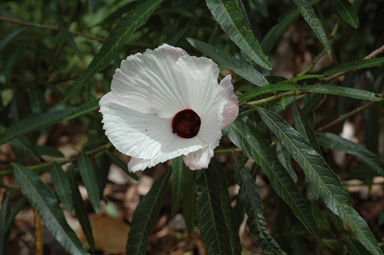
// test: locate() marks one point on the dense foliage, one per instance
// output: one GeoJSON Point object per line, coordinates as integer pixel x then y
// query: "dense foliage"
{"type": "Point", "coordinates": [300, 70]}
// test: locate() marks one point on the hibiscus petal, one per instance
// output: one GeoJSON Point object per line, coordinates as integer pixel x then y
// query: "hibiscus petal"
{"type": "Point", "coordinates": [141, 135]}
{"type": "Point", "coordinates": [138, 164]}
{"type": "Point", "coordinates": [231, 109]}
{"type": "Point", "coordinates": [199, 159]}
{"type": "Point", "coordinates": [147, 81]}
{"type": "Point", "coordinates": [197, 78]}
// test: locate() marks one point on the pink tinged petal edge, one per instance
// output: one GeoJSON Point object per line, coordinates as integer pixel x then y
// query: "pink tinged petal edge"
{"type": "Point", "coordinates": [231, 109]}
{"type": "Point", "coordinates": [199, 159]}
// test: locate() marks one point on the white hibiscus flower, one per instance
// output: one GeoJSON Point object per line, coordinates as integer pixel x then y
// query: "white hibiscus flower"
{"type": "Point", "coordinates": [165, 103]}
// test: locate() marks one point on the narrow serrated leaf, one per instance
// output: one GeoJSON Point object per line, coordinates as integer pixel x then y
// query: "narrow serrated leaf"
{"type": "Point", "coordinates": [214, 214]}
{"type": "Point", "coordinates": [285, 160]}
{"type": "Point", "coordinates": [26, 147]}
{"type": "Point", "coordinates": [85, 108]}
{"type": "Point", "coordinates": [189, 199]}
{"type": "Point", "coordinates": [346, 11]}
{"type": "Point", "coordinates": [303, 127]}
{"type": "Point", "coordinates": [16, 209]}
{"type": "Point", "coordinates": [49, 151]}
{"type": "Point", "coordinates": [34, 122]}
{"type": "Point", "coordinates": [88, 175]}
{"type": "Point", "coordinates": [70, 40]}
{"type": "Point", "coordinates": [146, 215]}
{"type": "Point", "coordinates": [323, 179]}
{"type": "Point", "coordinates": [222, 58]}
{"type": "Point", "coordinates": [312, 20]}
{"type": "Point", "coordinates": [342, 91]}
{"type": "Point", "coordinates": [355, 65]}
{"type": "Point", "coordinates": [4, 232]}
{"type": "Point", "coordinates": [269, 89]}
{"type": "Point", "coordinates": [115, 41]}
{"type": "Point", "coordinates": [228, 14]}
{"type": "Point", "coordinates": [271, 38]}
{"type": "Point", "coordinates": [250, 198]}
{"type": "Point", "coordinates": [177, 183]}
{"type": "Point", "coordinates": [339, 143]}
{"type": "Point", "coordinates": [80, 211]}
{"type": "Point", "coordinates": [4, 41]}
{"type": "Point", "coordinates": [45, 203]}
{"type": "Point", "coordinates": [121, 164]}
{"type": "Point", "coordinates": [61, 184]}
{"type": "Point", "coordinates": [303, 77]}
{"type": "Point", "coordinates": [280, 180]}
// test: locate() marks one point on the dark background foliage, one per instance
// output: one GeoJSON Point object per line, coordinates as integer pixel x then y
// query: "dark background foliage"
{"type": "Point", "coordinates": [57, 59]}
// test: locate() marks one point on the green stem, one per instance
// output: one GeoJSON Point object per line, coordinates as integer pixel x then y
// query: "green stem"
{"type": "Point", "coordinates": [318, 57]}
{"type": "Point", "coordinates": [45, 165]}
{"type": "Point", "coordinates": [29, 24]}
{"type": "Point", "coordinates": [346, 115]}
{"type": "Point", "coordinates": [273, 98]}
{"type": "Point", "coordinates": [228, 151]}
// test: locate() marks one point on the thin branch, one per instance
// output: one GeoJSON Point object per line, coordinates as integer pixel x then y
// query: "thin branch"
{"type": "Point", "coordinates": [228, 151]}
{"type": "Point", "coordinates": [274, 98]}
{"type": "Point", "coordinates": [62, 161]}
{"type": "Point", "coordinates": [369, 56]}
{"type": "Point", "coordinates": [346, 115]}
{"type": "Point", "coordinates": [42, 26]}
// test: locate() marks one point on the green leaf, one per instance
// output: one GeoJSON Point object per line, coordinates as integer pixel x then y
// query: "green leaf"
{"type": "Point", "coordinates": [250, 198]}
{"type": "Point", "coordinates": [85, 108]}
{"type": "Point", "coordinates": [69, 38]}
{"type": "Point", "coordinates": [88, 175]}
{"type": "Point", "coordinates": [285, 160]}
{"type": "Point", "coordinates": [342, 91]}
{"type": "Point", "coordinates": [115, 41]}
{"type": "Point", "coordinates": [145, 216]}
{"type": "Point", "coordinates": [354, 247]}
{"type": "Point", "coordinates": [49, 151]}
{"type": "Point", "coordinates": [269, 89]}
{"type": "Point", "coordinates": [214, 213]}
{"type": "Point", "coordinates": [346, 11]}
{"type": "Point", "coordinates": [10, 37]}
{"type": "Point", "coordinates": [33, 123]}
{"type": "Point", "coordinates": [26, 147]}
{"type": "Point", "coordinates": [355, 65]}
{"type": "Point", "coordinates": [4, 232]}
{"type": "Point", "coordinates": [312, 20]}
{"type": "Point", "coordinates": [332, 192]}
{"type": "Point", "coordinates": [61, 183]}
{"type": "Point", "coordinates": [189, 199]}
{"type": "Point", "coordinates": [120, 163]}
{"type": "Point", "coordinates": [45, 203]}
{"type": "Point", "coordinates": [177, 183]}
{"type": "Point", "coordinates": [228, 14]}
{"type": "Point", "coordinates": [280, 180]}
{"type": "Point", "coordinates": [240, 67]}
{"type": "Point", "coordinates": [16, 209]}
{"type": "Point", "coordinates": [303, 127]}
{"type": "Point", "coordinates": [81, 212]}
{"type": "Point", "coordinates": [273, 35]}
{"type": "Point", "coordinates": [339, 143]}
{"type": "Point", "coordinates": [303, 77]}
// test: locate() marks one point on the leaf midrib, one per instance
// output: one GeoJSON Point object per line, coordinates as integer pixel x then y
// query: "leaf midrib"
{"type": "Point", "coordinates": [341, 207]}
{"type": "Point", "coordinates": [242, 36]}
{"type": "Point", "coordinates": [49, 209]}
{"type": "Point", "coordinates": [141, 243]}
{"type": "Point", "coordinates": [262, 228]}
{"type": "Point", "coordinates": [281, 184]}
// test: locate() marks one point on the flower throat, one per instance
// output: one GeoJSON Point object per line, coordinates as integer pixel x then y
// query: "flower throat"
{"type": "Point", "coordinates": [186, 124]}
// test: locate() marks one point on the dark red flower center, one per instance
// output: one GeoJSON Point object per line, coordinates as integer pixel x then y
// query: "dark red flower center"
{"type": "Point", "coordinates": [186, 123]}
